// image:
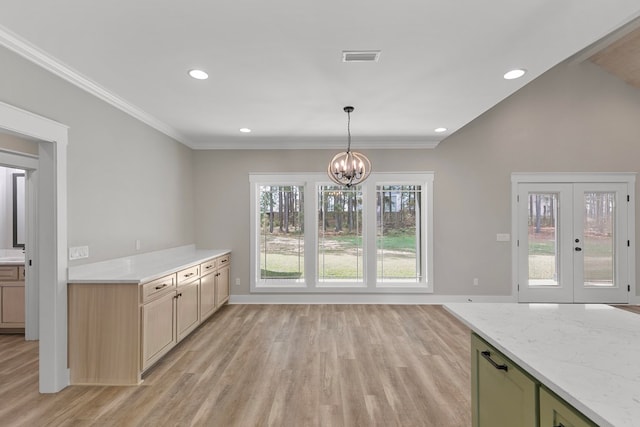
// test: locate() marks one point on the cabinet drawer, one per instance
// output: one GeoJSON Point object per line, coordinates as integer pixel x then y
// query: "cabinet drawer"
{"type": "Point", "coordinates": [158, 287]}
{"type": "Point", "coordinates": [188, 274]}
{"type": "Point", "coordinates": [224, 260]}
{"type": "Point", "coordinates": [208, 266]}
{"type": "Point", "coordinates": [8, 272]}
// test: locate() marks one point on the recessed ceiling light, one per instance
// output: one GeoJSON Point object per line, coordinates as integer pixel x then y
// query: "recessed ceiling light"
{"type": "Point", "coordinates": [198, 74]}
{"type": "Point", "coordinates": [440, 130]}
{"type": "Point", "coordinates": [245, 130]}
{"type": "Point", "coordinates": [514, 74]}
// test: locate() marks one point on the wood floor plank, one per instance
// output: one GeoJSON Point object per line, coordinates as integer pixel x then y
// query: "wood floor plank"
{"type": "Point", "coordinates": [272, 365]}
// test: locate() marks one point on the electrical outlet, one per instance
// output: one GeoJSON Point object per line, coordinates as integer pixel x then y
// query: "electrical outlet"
{"type": "Point", "coordinates": [78, 252]}
{"type": "Point", "coordinates": [137, 244]}
{"type": "Point", "coordinates": [476, 281]}
{"type": "Point", "coordinates": [237, 281]}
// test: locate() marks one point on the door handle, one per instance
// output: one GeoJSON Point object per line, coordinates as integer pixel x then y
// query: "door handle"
{"type": "Point", "coordinates": [578, 249]}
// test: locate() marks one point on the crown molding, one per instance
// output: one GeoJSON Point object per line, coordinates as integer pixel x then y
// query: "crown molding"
{"type": "Point", "coordinates": [30, 52]}
{"type": "Point", "coordinates": [303, 143]}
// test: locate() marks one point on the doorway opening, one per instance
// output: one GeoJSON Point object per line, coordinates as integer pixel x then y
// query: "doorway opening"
{"type": "Point", "coordinates": [46, 247]}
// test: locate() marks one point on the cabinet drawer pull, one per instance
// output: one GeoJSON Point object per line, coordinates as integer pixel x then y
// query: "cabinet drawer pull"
{"type": "Point", "coordinates": [189, 275]}
{"type": "Point", "coordinates": [208, 267]}
{"type": "Point", "coordinates": [487, 355]}
{"type": "Point", "coordinates": [164, 285]}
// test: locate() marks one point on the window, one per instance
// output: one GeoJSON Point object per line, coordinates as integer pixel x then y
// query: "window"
{"type": "Point", "coordinates": [398, 233]}
{"type": "Point", "coordinates": [340, 250]}
{"type": "Point", "coordinates": [308, 235]}
{"type": "Point", "coordinates": [281, 233]}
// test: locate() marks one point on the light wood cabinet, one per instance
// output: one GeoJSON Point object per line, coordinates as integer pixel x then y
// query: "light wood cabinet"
{"type": "Point", "coordinates": [12, 299]}
{"type": "Point", "coordinates": [187, 310]}
{"type": "Point", "coordinates": [502, 394]}
{"type": "Point", "coordinates": [117, 331]}
{"type": "Point", "coordinates": [214, 285]}
{"type": "Point", "coordinates": [158, 328]}
{"type": "Point", "coordinates": [222, 284]}
{"type": "Point", "coordinates": [555, 412]}
{"type": "Point", "coordinates": [207, 295]}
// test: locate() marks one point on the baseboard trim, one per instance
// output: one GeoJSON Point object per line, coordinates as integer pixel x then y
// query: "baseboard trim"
{"type": "Point", "coordinates": [419, 299]}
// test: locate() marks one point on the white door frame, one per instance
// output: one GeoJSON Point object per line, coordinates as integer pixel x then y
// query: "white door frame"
{"type": "Point", "coordinates": [51, 235]}
{"type": "Point", "coordinates": [570, 177]}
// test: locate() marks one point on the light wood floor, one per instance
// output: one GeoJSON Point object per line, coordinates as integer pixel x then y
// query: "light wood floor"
{"type": "Point", "coordinates": [279, 365]}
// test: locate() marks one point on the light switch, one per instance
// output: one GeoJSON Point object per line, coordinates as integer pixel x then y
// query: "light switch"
{"type": "Point", "coordinates": [503, 237]}
{"type": "Point", "coordinates": [78, 252]}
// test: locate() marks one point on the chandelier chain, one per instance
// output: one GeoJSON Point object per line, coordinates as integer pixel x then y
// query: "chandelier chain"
{"type": "Point", "coordinates": [349, 131]}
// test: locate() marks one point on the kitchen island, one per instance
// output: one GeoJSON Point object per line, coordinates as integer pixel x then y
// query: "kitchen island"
{"type": "Point", "coordinates": [588, 355]}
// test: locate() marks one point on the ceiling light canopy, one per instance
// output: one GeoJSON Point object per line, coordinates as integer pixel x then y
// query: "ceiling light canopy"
{"type": "Point", "coordinates": [440, 130]}
{"type": "Point", "coordinates": [349, 168]}
{"type": "Point", "coordinates": [198, 74]}
{"type": "Point", "coordinates": [245, 130]}
{"type": "Point", "coordinates": [515, 74]}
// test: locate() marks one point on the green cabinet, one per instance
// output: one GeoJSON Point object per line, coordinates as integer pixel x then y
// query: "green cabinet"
{"type": "Point", "coordinates": [503, 395]}
{"type": "Point", "coordinates": [555, 412]}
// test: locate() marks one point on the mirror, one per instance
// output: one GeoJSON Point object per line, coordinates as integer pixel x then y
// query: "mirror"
{"type": "Point", "coordinates": [18, 210]}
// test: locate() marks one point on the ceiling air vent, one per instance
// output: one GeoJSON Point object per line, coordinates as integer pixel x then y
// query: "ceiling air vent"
{"type": "Point", "coordinates": [360, 55]}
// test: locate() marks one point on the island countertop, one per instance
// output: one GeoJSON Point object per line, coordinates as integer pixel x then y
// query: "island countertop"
{"type": "Point", "coordinates": [143, 267]}
{"type": "Point", "coordinates": [588, 354]}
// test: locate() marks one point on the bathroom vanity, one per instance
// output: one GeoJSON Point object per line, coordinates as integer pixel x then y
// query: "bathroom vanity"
{"type": "Point", "coordinates": [12, 305]}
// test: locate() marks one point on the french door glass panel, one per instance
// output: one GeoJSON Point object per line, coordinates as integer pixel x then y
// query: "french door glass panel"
{"type": "Point", "coordinates": [572, 242]}
{"type": "Point", "coordinates": [600, 243]}
{"type": "Point", "coordinates": [545, 269]}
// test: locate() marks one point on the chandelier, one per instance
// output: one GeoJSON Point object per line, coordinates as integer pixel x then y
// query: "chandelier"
{"type": "Point", "coordinates": [349, 168]}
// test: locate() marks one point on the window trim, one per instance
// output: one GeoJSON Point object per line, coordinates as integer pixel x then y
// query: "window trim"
{"type": "Point", "coordinates": [311, 183]}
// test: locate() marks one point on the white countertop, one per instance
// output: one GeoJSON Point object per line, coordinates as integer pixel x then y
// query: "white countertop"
{"type": "Point", "coordinates": [587, 354]}
{"type": "Point", "coordinates": [11, 256]}
{"type": "Point", "coordinates": [143, 267]}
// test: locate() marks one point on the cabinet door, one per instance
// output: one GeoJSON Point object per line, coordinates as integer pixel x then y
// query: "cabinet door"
{"type": "Point", "coordinates": [158, 328]}
{"type": "Point", "coordinates": [502, 394]}
{"type": "Point", "coordinates": [207, 296]}
{"type": "Point", "coordinates": [222, 285]}
{"type": "Point", "coordinates": [13, 306]}
{"type": "Point", "coordinates": [187, 310]}
{"type": "Point", "coordinates": [554, 412]}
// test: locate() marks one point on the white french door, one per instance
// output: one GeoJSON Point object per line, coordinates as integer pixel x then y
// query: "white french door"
{"type": "Point", "coordinates": [573, 242]}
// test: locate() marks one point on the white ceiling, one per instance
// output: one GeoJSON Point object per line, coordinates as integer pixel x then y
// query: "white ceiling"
{"type": "Point", "coordinates": [275, 66]}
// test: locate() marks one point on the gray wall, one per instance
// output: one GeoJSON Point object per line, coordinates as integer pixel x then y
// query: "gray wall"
{"type": "Point", "coordinates": [575, 118]}
{"type": "Point", "coordinates": [126, 180]}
